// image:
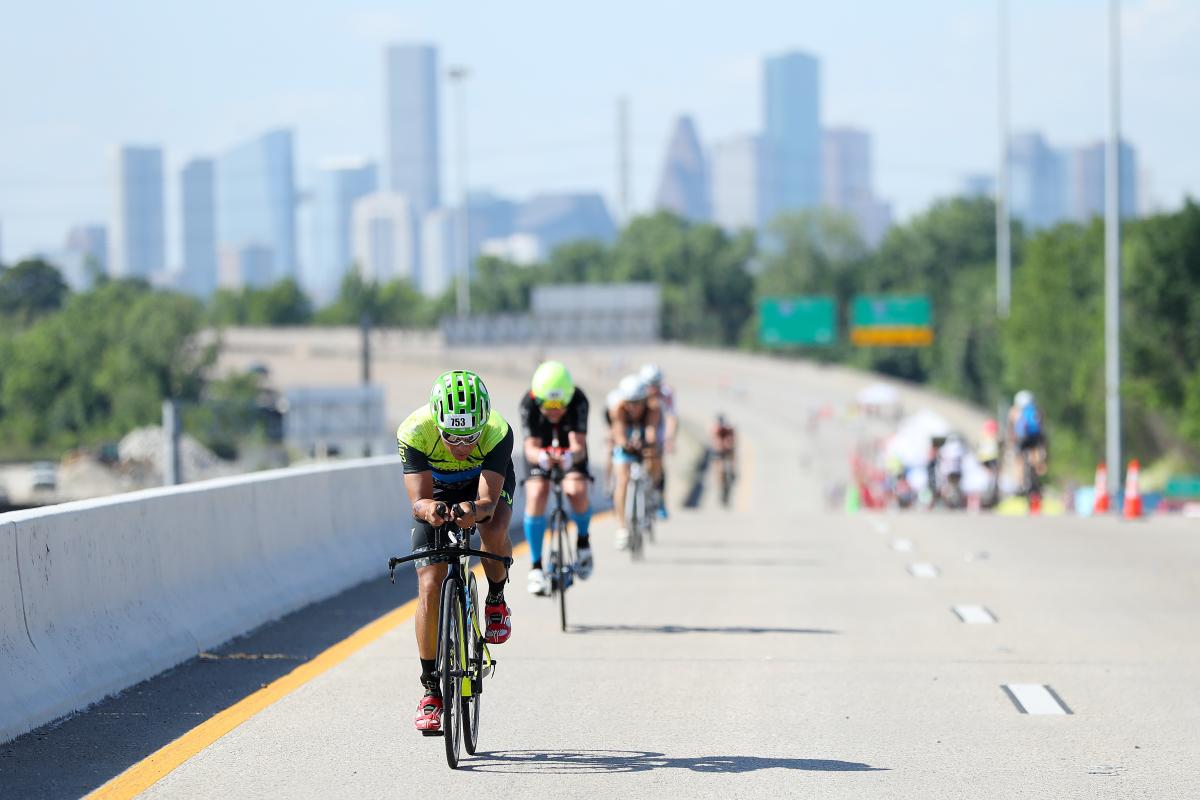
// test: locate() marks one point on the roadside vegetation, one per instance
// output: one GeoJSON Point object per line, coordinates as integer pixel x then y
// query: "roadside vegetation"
{"type": "Point", "coordinates": [75, 368]}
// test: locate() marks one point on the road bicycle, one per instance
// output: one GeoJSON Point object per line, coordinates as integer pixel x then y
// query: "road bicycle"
{"type": "Point", "coordinates": [463, 658]}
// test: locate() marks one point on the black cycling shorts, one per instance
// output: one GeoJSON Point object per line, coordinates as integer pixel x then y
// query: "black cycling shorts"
{"type": "Point", "coordinates": [423, 532]}
{"type": "Point", "coordinates": [1031, 442]}
{"type": "Point", "coordinates": [578, 468]}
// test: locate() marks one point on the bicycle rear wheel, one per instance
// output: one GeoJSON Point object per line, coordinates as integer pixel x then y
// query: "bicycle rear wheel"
{"type": "Point", "coordinates": [474, 654]}
{"type": "Point", "coordinates": [450, 669]}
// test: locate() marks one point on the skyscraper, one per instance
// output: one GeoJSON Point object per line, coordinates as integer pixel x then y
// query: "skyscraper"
{"type": "Point", "coordinates": [85, 256]}
{"type": "Point", "coordinates": [684, 187]}
{"type": "Point", "coordinates": [739, 185]}
{"type": "Point", "coordinates": [197, 189]}
{"type": "Point", "coordinates": [1086, 189]}
{"type": "Point", "coordinates": [555, 219]}
{"type": "Point", "coordinates": [439, 250]}
{"type": "Point", "coordinates": [846, 181]}
{"type": "Point", "coordinates": [256, 200]}
{"type": "Point", "coordinates": [340, 184]}
{"type": "Point", "coordinates": [411, 86]}
{"type": "Point", "coordinates": [138, 245]}
{"type": "Point", "coordinates": [1037, 181]}
{"type": "Point", "coordinates": [792, 131]}
{"type": "Point", "coordinates": [385, 238]}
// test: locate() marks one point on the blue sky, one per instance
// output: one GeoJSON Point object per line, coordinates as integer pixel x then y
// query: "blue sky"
{"type": "Point", "coordinates": [77, 78]}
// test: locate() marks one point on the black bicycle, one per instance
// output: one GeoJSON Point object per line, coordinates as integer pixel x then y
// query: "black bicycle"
{"type": "Point", "coordinates": [463, 658]}
{"type": "Point", "coordinates": [561, 556]}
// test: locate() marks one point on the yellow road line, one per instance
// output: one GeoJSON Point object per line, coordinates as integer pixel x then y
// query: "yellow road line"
{"type": "Point", "coordinates": [150, 770]}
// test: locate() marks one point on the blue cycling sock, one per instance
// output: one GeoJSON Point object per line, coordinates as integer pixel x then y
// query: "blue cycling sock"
{"type": "Point", "coordinates": [535, 531]}
{"type": "Point", "coordinates": [581, 522]}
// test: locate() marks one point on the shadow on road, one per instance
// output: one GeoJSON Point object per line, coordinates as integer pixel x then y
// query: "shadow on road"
{"type": "Point", "coordinates": [693, 629]}
{"type": "Point", "coordinates": [737, 562]}
{"type": "Point", "coordinates": [582, 762]}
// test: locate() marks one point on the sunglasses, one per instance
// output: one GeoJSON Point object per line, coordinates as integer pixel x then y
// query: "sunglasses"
{"type": "Point", "coordinates": [551, 405]}
{"type": "Point", "coordinates": [461, 440]}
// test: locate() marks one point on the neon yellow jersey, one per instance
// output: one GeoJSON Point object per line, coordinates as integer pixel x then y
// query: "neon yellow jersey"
{"type": "Point", "coordinates": [421, 448]}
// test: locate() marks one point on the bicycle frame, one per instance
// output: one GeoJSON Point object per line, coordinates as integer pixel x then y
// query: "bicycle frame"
{"type": "Point", "coordinates": [456, 544]}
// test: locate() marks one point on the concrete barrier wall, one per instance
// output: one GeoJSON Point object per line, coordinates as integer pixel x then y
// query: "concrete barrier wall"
{"type": "Point", "coordinates": [98, 595]}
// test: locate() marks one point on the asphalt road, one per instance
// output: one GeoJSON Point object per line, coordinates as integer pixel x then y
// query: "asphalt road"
{"type": "Point", "coordinates": [776, 649]}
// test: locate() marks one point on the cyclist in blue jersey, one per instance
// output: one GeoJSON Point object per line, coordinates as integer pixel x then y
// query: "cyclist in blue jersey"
{"type": "Point", "coordinates": [1027, 430]}
{"type": "Point", "coordinates": [457, 456]}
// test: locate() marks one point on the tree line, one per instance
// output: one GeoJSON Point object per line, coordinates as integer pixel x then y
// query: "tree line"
{"type": "Point", "coordinates": [140, 345]}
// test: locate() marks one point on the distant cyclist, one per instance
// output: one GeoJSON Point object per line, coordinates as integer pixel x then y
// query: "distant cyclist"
{"type": "Point", "coordinates": [722, 444]}
{"type": "Point", "coordinates": [662, 396]}
{"type": "Point", "coordinates": [635, 438]}
{"type": "Point", "coordinates": [1027, 430]}
{"type": "Point", "coordinates": [457, 456]}
{"type": "Point", "coordinates": [554, 417]}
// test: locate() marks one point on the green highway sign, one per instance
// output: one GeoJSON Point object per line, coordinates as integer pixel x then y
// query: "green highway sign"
{"type": "Point", "coordinates": [1183, 486]}
{"type": "Point", "coordinates": [797, 321]}
{"type": "Point", "coordinates": [891, 321]}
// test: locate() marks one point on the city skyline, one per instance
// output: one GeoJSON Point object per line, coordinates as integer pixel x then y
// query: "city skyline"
{"type": "Point", "coordinates": [520, 159]}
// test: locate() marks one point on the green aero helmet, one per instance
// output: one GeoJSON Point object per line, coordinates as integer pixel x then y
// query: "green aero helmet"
{"type": "Point", "coordinates": [552, 384]}
{"type": "Point", "coordinates": [460, 403]}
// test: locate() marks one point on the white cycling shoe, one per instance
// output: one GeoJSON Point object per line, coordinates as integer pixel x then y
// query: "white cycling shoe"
{"type": "Point", "coordinates": [538, 583]}
{"type": "Point", "coordinates": [622, 539]}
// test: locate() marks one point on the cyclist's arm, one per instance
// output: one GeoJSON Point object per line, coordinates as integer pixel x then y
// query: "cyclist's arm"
{"type": "Point", "coordinates": [420, 496]}
{"type": "Point", "coordinates": [490, 485]}
{"type": "Point", "coordinates": [578, 445]}
{"type": "Point", "coordinates": [533, 449]}
{"type": "Point", "coordinates": [653, 416]}
{"type": "Point", "coordinates": [418, 481]}
{"type": "Point", "coordinates": [491, 481]}
{"type": "Point", "coordinates": [578, 422]}
{"type": "Point", "coordinates": [620, 433]}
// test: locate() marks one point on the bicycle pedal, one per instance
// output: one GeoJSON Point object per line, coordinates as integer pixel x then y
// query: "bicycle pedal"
{"type": "Point", "coordinates": [433, 733]}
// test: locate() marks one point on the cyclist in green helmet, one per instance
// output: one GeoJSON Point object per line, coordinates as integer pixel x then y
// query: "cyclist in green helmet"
{"type": "Point", "coordinates": [554, 417]}
{"type": "Point", "coordinates": [457, 455]}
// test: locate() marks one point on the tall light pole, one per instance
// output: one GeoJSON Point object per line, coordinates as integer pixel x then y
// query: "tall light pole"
{"type": "Point", "coordinates": [1003, 226]}
{"type": "Point", "coordinates": [458, 77]}
{"type": "Point", "coordinates": [1112, 255]}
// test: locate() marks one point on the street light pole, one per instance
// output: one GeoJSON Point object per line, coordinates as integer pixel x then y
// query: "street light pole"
{"type": "Point", "coordinates": [458, 77]}
{"type": "Point", "coordinates": [1003, 226]}
{"type": "Point", "coordinates": [1112, 256]}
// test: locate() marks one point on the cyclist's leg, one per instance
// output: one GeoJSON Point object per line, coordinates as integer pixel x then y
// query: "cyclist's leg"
{"type": "Point", "coordinates": [621, 462]}
{"type": "Point", "coordinates": [494, 535]}
{"type": "Point", "coordinates": [537, 491]}
{"type": "Point", "coordinates": [575, 487]}
{"type": "Point", "coordinates": [429, 585]}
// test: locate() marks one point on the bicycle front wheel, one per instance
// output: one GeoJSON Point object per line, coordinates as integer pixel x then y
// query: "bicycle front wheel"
{"type": "Point", "coordinates": [558, 541]}
{"type": "Point", "coordinates": [451, 668]}
{"type": "Point", "coordinates": [474, 679]}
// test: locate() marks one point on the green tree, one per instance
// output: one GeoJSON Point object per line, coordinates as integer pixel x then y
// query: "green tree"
{"type": "Point", "coordinates": [703, 273]}
{"type": "Point", "coordinates": [101, 366]}
{"type": "Point", "coordinates": [31, 289]}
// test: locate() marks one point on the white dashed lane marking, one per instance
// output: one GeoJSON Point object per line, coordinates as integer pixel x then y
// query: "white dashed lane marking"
{"type": "Point", "coordinates": [1035, 698]}
{"type": "Point", "coordinates": [923, 569]}
{"type": "Point", "coordinates": [902, 545]}
{"type": "Point", "coordinates": [974, 615]}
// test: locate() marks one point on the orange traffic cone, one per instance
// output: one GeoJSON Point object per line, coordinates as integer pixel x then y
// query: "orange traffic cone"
{"type": "Point", "coordinates": [1101, 504]}
{"type": "Point", "coordinates": [1133, 498]}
